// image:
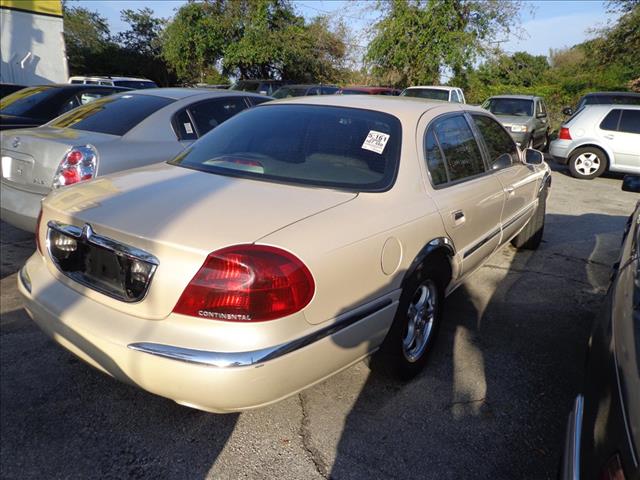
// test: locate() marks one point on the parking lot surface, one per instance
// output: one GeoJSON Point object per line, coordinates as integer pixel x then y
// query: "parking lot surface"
{"type": "Point", "coordinates": [491, 404]}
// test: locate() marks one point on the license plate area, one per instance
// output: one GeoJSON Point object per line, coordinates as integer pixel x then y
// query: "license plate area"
{"type": "Point", "coordinates": [100, 263]}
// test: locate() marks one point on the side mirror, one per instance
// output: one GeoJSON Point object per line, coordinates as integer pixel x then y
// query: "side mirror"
{"type": "Point", "coordinates": [533, 157]}
{"type": "Point", "coordinates": [631, 183]}
{"type": "Point", "coordinates": [567, 111]}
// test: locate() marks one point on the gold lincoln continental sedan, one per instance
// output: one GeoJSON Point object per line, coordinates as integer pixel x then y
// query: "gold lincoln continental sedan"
{"type": "Point", "coordinates": [292, 241]}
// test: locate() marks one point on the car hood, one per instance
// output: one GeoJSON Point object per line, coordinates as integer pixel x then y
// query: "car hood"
{"type": "Point", "coordinates": [513, 119]}
{"type": "Point", "coordinates": [180, 216]}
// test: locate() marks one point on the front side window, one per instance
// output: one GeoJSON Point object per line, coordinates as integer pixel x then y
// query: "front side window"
{"type": "Point", "coordinates": [113, 115]}
{"type": "Point", "coordinates": [312, 145]}
{"type": "Point", "coordinates": [211, 113]}
{"type": "Point", "coordinates": [610, 122]}
{"type": "Point", "coordinates": [460, 149]}
{"type": "Point", "coordinates": [502, 150]}
{"type": "Point", "coordinates": [630, 121]}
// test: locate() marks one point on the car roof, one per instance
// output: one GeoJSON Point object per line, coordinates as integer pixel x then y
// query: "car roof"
{"type": "Point", "coordinates": [108, 77]}
{"type": "Point", "coordinates": [594, 107]}
{"type": "Point", "coordinates": [179, 93]}
{"type": "Point", "coordinates": [79, 86]}
{"type": "Point", "coordinates": [517, 97]}
{"type": "Point", "coordinates": [409, 108]}
{"type": "Point", "coordinates": [621, 94]}
{"type": "Point", "coordinates": [308, 85]}
{"type": "Point", "coordinates": [436, 87]}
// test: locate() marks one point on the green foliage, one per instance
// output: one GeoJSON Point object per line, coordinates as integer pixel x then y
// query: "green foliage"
{"type": "Point", "coordinates": [252, 39]}
{"type": "Point", "coordinates": [416, 40]}
{"type": "Point", "coordinates": [91, 50]}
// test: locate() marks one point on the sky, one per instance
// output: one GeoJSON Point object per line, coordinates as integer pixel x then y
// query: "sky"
{"type": "Point", "coordinates": [545, 24]}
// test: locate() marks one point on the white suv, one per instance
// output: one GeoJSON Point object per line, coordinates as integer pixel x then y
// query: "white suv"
{"type": "Point", "coordinates": [600, 137]}
{"type": "Point", "coordinates": [128, 82]}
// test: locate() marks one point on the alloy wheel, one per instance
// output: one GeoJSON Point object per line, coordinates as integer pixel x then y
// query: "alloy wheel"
{"type": "Point", "coordinates": [587, 163]}
{"type": "Point", "coordinates": [420, 319]}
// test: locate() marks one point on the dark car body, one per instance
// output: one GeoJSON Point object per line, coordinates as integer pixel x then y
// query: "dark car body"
{"type": "Point", "coordinates": [603, 433]}
{"type": "Point", "coordinates": [9, 88]}
{"type": "Point", "coordinates": [368, 91]}
{"type": "Point", "coordinates": [35, 106]}
{"type": "Point", "coordinates": [304, 90]}
{"type": "Point", "coordinates": [605, 98]}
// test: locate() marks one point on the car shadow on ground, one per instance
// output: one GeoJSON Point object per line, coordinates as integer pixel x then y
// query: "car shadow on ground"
{"type": "Point", "coordinates": [504, 372]}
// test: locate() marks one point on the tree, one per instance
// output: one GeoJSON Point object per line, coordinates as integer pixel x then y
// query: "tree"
{"type": "Point", "coordinates": [521, 68]}
{"type": "Point", "coordinates": [252, 39]}
{"type": "Point", "coordinates": [144, 32]}
{"type": "Point", "coordinates": [86, 35]}
{"type": "Point", "coordinates": [415, 41]}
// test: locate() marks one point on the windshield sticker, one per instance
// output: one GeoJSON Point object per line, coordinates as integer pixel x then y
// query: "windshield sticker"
{"type": "Point", "coordinates": [375, 141]}
{"type": "Point", "coordinates": [187, 128]}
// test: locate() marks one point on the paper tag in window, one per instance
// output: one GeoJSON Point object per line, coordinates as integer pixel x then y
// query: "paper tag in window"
{"type": "Point", "coordinates": [375, 141]}
{"type": "Point", "coordinates": [187, 128]}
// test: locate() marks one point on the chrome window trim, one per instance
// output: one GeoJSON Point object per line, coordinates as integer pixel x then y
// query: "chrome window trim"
{"type": "Point", "coordinates": [87, 235]}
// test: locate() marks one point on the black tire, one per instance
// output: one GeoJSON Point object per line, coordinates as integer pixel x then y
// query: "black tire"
{"type": "Point", "coordinates": [530, 236]}
{"type": "Point", "coordinates": [545, 145]}
{"type": "Point", "coordinates": [530, 142]}
{"type": "Point", "coordinates": [587, 163]}
{"type": "Point", "coordinates": [393, 358]}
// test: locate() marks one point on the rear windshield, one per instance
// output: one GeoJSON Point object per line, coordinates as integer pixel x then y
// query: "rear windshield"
{"type": "Point", "coordinates": [134, 84]}
{"type": "Point", "coordinates": [510, 106]}
{"type": "Point", "coordinates": [346, 91]}
{"type": "Point", "coordinates": [246, 86]}
{"type": "Point", "coordinates": [114, 115]}
{"type": "Point", "coordinates": [430, 93]}
{"type": "Point", "coordinates": [23, 101]}
{"type": "Point", "coordinates": [284, 92]}
{"type": "Point", "coordinates": [314, 145]}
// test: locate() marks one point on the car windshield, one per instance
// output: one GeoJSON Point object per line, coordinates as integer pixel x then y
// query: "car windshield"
{"type": "Point", "coordinates": [284, 92]}
{"type": "Point", "coordinates": [23, 101]}
{"type": "Point", "coordinates": [518, 107]}
{"type": "Point", "coordinates": [137, 84]}
{"type": "Point", "coordinates": [430, 93]}
{"type": "Point", "coordinates": [114, 115]}
{"type": "Point", "coordinates": [313, 145]}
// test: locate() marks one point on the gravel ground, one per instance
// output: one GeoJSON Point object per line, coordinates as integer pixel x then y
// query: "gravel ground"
{"type": "Point", "coordinates": [492, 403]}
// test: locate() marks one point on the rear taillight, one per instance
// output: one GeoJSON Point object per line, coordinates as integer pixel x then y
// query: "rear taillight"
{"type": "Point", "coordinates": [248, 283]}
{"type": "Point", "coordinates": [38, 245]}
{"type": "Point", "coordinates": [613, 469]}
{"type": "Point", "coordinates": [564, 134]}
{"type": "Point", "coordinates": [78, 164]}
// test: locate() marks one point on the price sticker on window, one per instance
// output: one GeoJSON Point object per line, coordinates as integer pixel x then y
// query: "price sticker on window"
{"type": "Point", "coordinates": [375, 141]}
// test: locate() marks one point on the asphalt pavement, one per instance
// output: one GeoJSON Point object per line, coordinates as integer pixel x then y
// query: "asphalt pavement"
{"type": "Point", "coordinates": [492, 403]}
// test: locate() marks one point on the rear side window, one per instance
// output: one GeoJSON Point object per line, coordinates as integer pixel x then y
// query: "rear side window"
{"type": "Point", "coordinates": [500, 146]}
{"type": "Point", "coordinates": [312, 145]}
{"type": "Point", "coordinates": [211, 113]}
{"type": "Point", "coordinates": [460, 149]}
{"type": "Point", "coordinates": [114, 115]}
{"type": "Point", "coordinates": [435, 162]}
{"type": "Point", "coordinates": [630, 121]}
{"type": "Point", "coordinates": [183, 126]}
{"type": "Point", "coordinates": [610, 122]}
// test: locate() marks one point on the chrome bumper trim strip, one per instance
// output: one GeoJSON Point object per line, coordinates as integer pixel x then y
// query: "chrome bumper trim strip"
{"type": "Point", "coordinates": [254, 357]}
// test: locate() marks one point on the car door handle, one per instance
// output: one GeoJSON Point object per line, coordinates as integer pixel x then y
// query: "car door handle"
{"type": "Point", "coordinates": [608, 137]}
{"type": "Point", "coordinates": [510, 190]}
{"type": "Point", "coordinates": [458, 217]}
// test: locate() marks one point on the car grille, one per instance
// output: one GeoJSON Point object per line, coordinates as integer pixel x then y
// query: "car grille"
{"type": "Point", "coordinates": [100, 263]}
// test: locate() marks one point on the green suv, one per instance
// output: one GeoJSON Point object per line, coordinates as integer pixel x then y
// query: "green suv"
{"type": "Point", "coordinates": [524, 116]}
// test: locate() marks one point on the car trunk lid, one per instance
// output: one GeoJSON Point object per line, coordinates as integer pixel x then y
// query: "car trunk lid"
{"type": "Point", "coordinates": [180, 216]}
{"type": "Point", "coordinates": [30, 157]}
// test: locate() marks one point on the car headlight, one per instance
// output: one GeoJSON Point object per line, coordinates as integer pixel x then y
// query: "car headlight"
{"type": "Point", "coordinates": [519, 128]}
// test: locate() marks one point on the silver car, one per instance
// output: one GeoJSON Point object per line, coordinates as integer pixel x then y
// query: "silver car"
{"type": "Point", "coordinates": [600, 137]}
{"type": "Point", "coordinates": [114, 133]}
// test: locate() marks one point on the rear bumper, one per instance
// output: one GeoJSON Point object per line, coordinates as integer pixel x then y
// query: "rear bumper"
{"type": "Point", "coordinates": [571, 458]}
{"type": "Point", "coordinates": [560, 150]}
{"type": "Point", "coordinates": [136, 350]}
{"type": "Point", "coordinates": [19, 207]}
